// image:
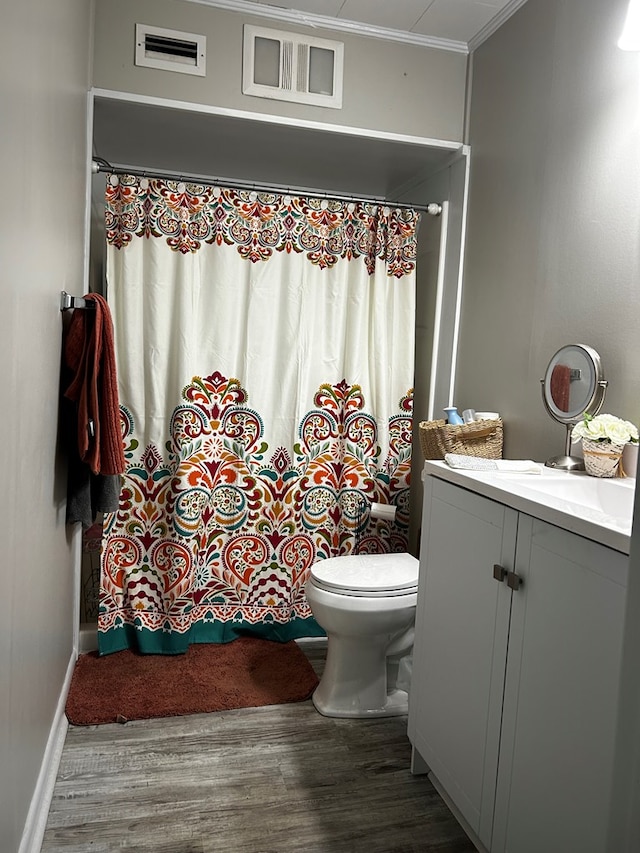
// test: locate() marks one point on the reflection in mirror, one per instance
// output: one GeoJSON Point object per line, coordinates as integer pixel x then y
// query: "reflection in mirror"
{"type": "Point", "coordinates": [573, 385]}
{"type": "Point", "coordinates": [560, 386]}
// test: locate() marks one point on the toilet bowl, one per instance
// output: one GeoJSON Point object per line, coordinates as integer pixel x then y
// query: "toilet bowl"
{"type": "Point", "coordinates": [366, 604]}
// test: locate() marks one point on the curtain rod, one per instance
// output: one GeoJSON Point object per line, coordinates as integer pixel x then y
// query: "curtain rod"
{"type": "Point", "coordinates": [100, 165]}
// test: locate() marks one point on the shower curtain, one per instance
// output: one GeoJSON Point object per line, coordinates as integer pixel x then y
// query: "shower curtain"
{"type": "Point", "coordinates": [264, 346]}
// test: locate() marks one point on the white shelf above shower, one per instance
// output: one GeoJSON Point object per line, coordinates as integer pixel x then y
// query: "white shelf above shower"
{"type": "Point", "coordinates": [150, 134]}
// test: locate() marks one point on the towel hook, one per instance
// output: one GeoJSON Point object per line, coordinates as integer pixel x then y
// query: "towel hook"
{"type": "Point", "coordinates": [68, 301]}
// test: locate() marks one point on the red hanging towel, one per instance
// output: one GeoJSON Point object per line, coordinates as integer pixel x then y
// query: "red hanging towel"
{"type": "Point", "coordinates": [90, 355]}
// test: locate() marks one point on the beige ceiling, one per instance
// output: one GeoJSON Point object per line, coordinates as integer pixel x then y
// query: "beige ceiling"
{"type": "Point", "coordinates": [458, 24]}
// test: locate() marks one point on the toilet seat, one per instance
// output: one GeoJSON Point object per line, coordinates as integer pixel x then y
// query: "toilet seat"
{"type": "Point", "coordinates": [370, 575]}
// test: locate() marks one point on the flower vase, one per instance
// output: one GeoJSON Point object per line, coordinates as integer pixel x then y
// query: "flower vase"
{"type": "Point", "coordinates": [602, 458]}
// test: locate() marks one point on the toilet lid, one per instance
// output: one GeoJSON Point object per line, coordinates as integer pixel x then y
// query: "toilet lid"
{"type": "Point", "coordinates": [367, 574]}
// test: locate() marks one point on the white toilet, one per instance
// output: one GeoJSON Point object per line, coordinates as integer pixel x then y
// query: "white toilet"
{"type": "Point", "coordinates": [366, 604]}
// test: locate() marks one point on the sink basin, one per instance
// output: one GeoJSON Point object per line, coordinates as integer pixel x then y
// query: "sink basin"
{"type": "Point", "coordinates": [610, 497]}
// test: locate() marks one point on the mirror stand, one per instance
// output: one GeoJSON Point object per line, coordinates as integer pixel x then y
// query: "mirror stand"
{"type": "Point", "coordinates": [566, 462]}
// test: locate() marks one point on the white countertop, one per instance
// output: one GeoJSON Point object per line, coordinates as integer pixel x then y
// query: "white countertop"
{"type": "Point", "coordinates": [599, 509]}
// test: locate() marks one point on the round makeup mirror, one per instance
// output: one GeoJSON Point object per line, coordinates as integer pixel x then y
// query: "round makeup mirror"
{"type": "Point", "coordinates": [573, 385]}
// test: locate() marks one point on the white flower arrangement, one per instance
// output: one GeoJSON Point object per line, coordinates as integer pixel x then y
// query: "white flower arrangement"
{"type": "Point", "coordinates": [605, 428]}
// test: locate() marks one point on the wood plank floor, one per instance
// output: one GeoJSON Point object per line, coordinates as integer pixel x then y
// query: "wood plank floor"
{"type": "Point", "coordinates": [279, 779]}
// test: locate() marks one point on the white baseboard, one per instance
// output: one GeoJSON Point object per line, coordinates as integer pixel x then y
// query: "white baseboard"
{"type": "Point", "coordinates": [36, 822]}
{"type": "Point", "coordinates": [312, 642]}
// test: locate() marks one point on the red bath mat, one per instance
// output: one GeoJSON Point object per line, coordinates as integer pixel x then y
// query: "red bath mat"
{"type": "Point", "coordinates": [246, 673]}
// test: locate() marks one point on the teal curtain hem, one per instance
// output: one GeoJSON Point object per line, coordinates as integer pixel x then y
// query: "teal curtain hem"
{"type": "Point", "coordinates": [148, 642]}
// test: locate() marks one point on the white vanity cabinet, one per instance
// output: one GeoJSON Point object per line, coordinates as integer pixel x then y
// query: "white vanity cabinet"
{"type": "Point", "coordinates": [515, 672]}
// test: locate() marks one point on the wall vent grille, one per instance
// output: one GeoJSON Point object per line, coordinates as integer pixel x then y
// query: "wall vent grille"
{"type": "Point", "coordinates": [292, 67]}
{"type": "Point", "coordinates": [287, 65]}
{"type": "Point", "coordinates": [170, 50]}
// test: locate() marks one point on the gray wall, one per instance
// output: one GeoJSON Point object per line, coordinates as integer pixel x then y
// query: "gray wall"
{"type": "Point", "coordinates": [554, 257]}
{"type": "Point", "coordinates": [554, 219]}
{"type": "Point", "coordinates": [43, 156]}
{"type": "Point", "coordinates": [388, 86]}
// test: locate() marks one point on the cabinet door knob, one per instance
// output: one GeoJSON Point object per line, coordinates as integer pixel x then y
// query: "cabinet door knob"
{"type": "Point", "coordinates": [514, 581]}
{"type": "Point", "coordinates": [499, 572]}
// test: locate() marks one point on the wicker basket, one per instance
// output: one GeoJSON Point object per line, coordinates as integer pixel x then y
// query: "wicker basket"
{"type": "Point", "coordinates": [481, 438]}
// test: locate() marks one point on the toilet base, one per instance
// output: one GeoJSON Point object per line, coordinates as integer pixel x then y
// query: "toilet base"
{"type": "Point", "coordinates": [360, 679]}
{"type": "Point", "coordinates": [396, 705]}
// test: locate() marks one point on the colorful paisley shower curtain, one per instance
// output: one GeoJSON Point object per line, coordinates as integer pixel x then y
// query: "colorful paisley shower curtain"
{"type": "Point", "coordinates": [264, 346]}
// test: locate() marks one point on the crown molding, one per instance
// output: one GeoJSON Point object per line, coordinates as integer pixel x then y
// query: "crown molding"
{"type": "Point", "coordinates": [305, 19]}
{"type": "Point", "coordinates": [495, 23]}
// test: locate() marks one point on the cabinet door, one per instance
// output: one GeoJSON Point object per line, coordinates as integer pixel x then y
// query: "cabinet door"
{"type": "Point", "coordinates": [462, 624]}
{"type": "Point", "coordinates": [561, 694]}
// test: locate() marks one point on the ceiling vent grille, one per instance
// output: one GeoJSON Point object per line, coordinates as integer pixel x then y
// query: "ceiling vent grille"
{"type": "Point", "coordinates": [171, 50]}
{"type": "Point", "coordinates": [292, 67]}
